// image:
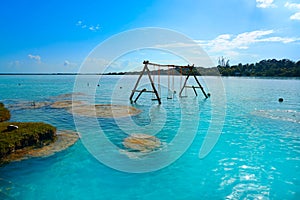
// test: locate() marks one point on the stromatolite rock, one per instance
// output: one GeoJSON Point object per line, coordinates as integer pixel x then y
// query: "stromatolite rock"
{"type": "Point", "coordinates": [142, 142]}
{"type": "Point", "coordinates": [66, 104]}
{"type": "Point", "coordinates": [64, 140]}
{"type": "Point", "coordinates": [104, 110]}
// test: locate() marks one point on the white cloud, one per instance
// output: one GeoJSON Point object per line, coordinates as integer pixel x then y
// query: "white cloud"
{"type": "Point", "coordinates": [79, 23]}
{"type": "Point", "coordinates": [66, 63]}
{"type": "Point", "coordinates": [228, 42]}
{"type": "Point", "coordinates": [237, 47]}
{"type": "Point", "coordinates": [264, 3]}
{"type": "Point", "coordinates": [278, 39]}
{"type": "Point", "coordinates": [293, 6]}
{"type": "Point", "coordinates": [15, 63]}
{"type": "Point", "coordinates": [94, 28]}
{"type": "Point", "coordinates": [175, 45]}
{"type": "Point", "coordinates": [295, 16]}
{"type": "Point", "coordinates": [82, 25]}
{"type": "Point", "coordinates": [234, 46]}
{"type": "Point", "coordinates": [36, 58]}
{"type": "Point", "coordinates": [69, 64]}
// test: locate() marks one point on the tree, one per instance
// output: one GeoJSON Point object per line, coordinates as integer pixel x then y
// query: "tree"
{"type": "Point", "coordinates": [223, 62]}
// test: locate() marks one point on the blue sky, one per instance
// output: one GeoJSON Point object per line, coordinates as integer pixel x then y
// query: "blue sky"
{"type": "Point", "coordinates": [56, 36]}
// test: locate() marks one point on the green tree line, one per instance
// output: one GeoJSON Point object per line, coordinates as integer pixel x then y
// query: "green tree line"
{"type": "Point", "coordinates": [271, 67]}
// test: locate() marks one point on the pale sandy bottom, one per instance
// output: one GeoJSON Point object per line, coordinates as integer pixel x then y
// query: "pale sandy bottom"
{"type": "Point", "coordinates": [69, 95]}
{"type": "Point", "coordinates": [60, 101]}
{"type": "Point", "coordinates": [66, 104]}
{"type": "Point", "coordinates": [78, 107]}
{"type": "Point", "coordinates": [104, 110]}
{"type": "Point", "coordinates": [28, 105]}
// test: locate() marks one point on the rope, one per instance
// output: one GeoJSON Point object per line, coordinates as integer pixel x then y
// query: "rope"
{"type": "Point", "coordinates": [158, 81]}
{"type": "Point", "coordinates": [180, 77]}
{"type": "Point", "coordinates": [169, 96]}
{"type": "Point", "coordinates": [153, 75]}
{"type": "Point", "coordinates": [173, 90]}
{"type": "Point", "coordinates": [168, 78]}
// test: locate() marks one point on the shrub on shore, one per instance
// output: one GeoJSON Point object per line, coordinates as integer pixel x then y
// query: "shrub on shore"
{"type": "Point", "coordinates": [4, 113]}
{"type": "Point", "coordinates": [17, 135]}
{"type": "Point", "coordinates": [35, 134]}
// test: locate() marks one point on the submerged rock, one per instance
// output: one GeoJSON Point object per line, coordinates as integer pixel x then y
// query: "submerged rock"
{"type": "Point", "coordinates": [28, 105]}
{"type": "Point", "coordinates": [142, 143]}
{"type": "Point", "coordinates": [104, 110]}
{"type": "Point", "coordinates": [66, 104]}
{"type": "Point", "coordinates": [69, 95]}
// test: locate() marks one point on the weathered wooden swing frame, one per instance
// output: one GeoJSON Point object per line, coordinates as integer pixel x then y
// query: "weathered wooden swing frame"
{"type": "Point", "coordinates": [154, 90]}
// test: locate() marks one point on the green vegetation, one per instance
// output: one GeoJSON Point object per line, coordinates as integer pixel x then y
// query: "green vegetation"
{"type": "Point", "coordinates": [34, 134]}
{"type": "Point", "coordinates": [4, 113]}
{"type": "Point", "coordinates": [271, 68]}
{"type": "Point", "coordinates": [28, 134]}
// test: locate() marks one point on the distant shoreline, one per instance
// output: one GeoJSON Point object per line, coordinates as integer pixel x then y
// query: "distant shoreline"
{"type": "Point", "coordinates": [121, 74]}
{"type": "Point", "coordinates": [264, 68]}
{"type": "Point", "coordinates": [7, 74]}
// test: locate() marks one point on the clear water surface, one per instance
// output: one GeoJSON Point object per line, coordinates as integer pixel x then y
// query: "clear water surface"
{"type": "Point", "coordinates": [257, 155]}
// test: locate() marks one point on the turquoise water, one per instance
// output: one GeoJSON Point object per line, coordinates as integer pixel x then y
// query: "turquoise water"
{"type": "Point", "coordinates": [256, 157]}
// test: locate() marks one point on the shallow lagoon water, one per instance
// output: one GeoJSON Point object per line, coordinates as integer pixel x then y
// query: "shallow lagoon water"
{"type": "Point", "coordinates": [256, 157]}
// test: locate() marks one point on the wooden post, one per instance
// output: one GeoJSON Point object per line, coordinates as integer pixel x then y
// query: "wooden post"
{"type": "Point", "coordinates": [195, 90]}
{"type": "Point", "coordinates": [184, 84]}
{"type": "Point", "coordinates": [153, 85]}
{"type": "Point", "coordinates": [200, 86]}
{"type": "Point", "coordinates": [138, 96]}
{"type": "Point", "coordinates": [137, 82]}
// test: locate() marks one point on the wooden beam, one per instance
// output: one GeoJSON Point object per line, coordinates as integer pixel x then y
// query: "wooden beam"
{"type": "Point", "coordinates": [200, 86]}
{"type": "Point", "coordinates": [195, 90]}
{"type": "Point", "coordinates": [187, 77]}
{"type": "Point", "coordinates": [152, 84]}
{"type": "Point", "coordinates": [138, 96]}
{"type": "Point", "coordinates": [174, 66]}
